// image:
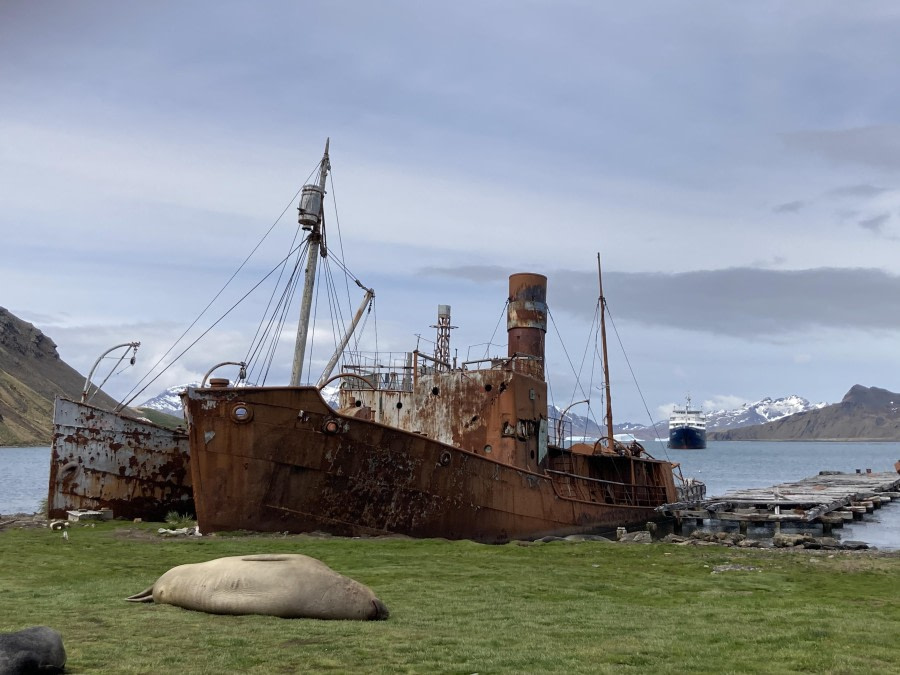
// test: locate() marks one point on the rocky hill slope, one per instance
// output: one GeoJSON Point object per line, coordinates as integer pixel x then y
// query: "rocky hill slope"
{"type": "Point", "coordinates": [864, 414]}
{"type": "Point", "coordinates": [31, 376]}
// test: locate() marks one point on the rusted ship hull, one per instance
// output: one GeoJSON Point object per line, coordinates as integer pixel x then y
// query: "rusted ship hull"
{"type": "Point", "coordinates": [106, 460]}
{"type": "Point", "coordinates": [279, 459]}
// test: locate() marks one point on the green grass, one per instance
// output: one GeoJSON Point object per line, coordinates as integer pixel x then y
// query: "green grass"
{"type": "Point", "coordinates": [461, 607]}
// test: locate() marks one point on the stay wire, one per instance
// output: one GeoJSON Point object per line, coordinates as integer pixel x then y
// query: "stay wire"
{"type": "Point", "coordinates": [565, 351]}
{"type": "Point", "coordinates": [272, 332]}
{"type": "Point", "coordinates": [487, 348]}
{"type": "Point", "coordinates": [204, 333]}
{"type": "Point", "coordinates": [277, 284]}
{"type": "Point", "coordinates": [634, 378]}
{"type": "Point", "coordinates": [267, 331]}
{"type": "Point", "coordinates": [337, 222]}
{"type": "Point", "coordinates": [287, 302]}
{"type": "Point", "coordinates": [205, 309]}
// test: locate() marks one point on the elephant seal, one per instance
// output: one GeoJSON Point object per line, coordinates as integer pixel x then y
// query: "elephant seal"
{"type": "Point", "coordinates": [32, 650]}
{"type": "Point", "coordinates": [288, 585]}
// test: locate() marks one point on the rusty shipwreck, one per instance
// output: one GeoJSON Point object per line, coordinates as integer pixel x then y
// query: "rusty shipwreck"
{"type": "Point", "coordinates": [417, 445]}
{"type": "Point", "coordinates": [116, 460]}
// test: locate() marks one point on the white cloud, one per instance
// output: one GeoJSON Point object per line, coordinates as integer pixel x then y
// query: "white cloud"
{"type": "Point", "coordinates": [724, 402]}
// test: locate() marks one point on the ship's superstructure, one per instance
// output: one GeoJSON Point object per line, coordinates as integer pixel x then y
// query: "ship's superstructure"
{"type": "Point", "coordinates": [687, 428]}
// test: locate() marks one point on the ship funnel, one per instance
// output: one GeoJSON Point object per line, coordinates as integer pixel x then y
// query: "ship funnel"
{"type": "Point", "coordinates": [526, 314]}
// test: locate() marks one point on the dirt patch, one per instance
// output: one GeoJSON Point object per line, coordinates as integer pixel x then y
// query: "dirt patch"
{"type": "Point", "coordinates": [23, 520]}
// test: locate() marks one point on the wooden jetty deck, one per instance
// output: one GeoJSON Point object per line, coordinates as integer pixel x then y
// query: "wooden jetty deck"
{"type": "Point", "coordinates": [829, 499]}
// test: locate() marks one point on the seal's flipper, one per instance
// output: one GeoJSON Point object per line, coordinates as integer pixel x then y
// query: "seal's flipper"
{"type": "Point", "coordinates": [144, 596]}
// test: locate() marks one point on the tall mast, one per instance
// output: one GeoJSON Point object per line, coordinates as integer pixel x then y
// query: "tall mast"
{"type": "Point", "coordinates": [311, 218]}
{"type": "Point", "coordinates": [609, 417]}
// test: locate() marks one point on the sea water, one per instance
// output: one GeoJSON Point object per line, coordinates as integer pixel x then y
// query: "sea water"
{"type": "Point", "coordinates": [24, 479]}
{"type": "Point", "coordinates": [723, 466]}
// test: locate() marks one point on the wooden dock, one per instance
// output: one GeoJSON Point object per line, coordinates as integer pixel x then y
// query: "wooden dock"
{"type": "Point", "coordinates": [830, 499]}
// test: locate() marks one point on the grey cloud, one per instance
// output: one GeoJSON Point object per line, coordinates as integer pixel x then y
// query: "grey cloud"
{"type": "Point", "coordinates": [875, 223]}
{"type": "Point", "coordinates": [875, 146]}
{"type": "Point", "coordinates": [789, 207]}
{"type": "Point", "coordinates": [862, 190]}
{"type": "Point", "coordinates": [476, 273]}
{"type": "Point", "coordinates": [749, 303]}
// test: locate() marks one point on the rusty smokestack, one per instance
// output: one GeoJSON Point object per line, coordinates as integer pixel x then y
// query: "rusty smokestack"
{"type": "Point", "coordinates": [526, 315]}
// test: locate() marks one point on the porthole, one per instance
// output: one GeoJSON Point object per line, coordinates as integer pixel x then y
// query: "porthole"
{"type": "Point", "coordinates": [435, 391]}
{"type": "Point", "coordinates": [358, 403]}
{"type": "Point", "coordinates": [241, 413]}
{"type": "Point", "coordinates": [488, 387]}
{"type": "Point", "coordinates": [399, 405]}
{"type": "Point", "coordinates": [487, 449]}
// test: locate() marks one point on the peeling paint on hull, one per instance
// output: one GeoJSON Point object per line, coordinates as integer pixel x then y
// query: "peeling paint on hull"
{"type": "Point", "coordinates": [106, 460]}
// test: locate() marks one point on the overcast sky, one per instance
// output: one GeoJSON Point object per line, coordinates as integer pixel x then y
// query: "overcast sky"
{"type": "Point", "coordinates": [736, 165]}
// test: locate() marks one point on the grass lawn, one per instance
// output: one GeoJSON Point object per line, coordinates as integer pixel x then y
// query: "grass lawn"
{"type": "Point", "coordinates": [461, 607]}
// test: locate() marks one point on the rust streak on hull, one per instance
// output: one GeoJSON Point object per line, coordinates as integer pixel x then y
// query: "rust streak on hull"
{"type": "Point", "coordinates": [106, 460]}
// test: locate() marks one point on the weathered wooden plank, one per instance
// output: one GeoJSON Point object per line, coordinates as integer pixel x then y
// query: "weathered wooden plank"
{"type": "Point", "coordinates": [829, 498]}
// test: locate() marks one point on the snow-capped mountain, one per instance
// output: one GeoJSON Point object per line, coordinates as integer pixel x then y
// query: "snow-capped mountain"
{"type": "Point", "coordinates": [766, 410]}
{"type": "Point", "coordinates": [168, 401]}
{"type": "Point", "coordinates": [749, 414]}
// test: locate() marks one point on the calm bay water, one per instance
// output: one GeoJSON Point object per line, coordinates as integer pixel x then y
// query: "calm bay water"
{"type": "Point", "coordinates": [24, 479]}
{"type": "Point", "coordinates": [24, 474]}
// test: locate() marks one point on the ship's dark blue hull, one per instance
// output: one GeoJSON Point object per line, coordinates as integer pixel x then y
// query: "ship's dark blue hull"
{"type": "Point", "coordinates": [687, 438]}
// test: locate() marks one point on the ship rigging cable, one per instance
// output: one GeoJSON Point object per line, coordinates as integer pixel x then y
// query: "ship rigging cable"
{"type": "Point", "coordinates": [202, 335]}
{"type": "Point", "coordinates": [634, 378]}
{"type": "Point", "coordinates": [134, 394]}
{"type": "Point", "coordinates": [272, 329]}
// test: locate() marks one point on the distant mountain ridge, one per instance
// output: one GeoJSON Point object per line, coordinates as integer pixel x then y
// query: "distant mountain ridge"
{"type": "Point", "coordinates": [864, 414]}
{"type": "Point", "coordinates": [32, 375]}
{"type": "Point", "coordinates": [760, 412]}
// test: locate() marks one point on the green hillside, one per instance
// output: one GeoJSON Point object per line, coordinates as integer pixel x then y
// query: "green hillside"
{"type": "Point", "coordinates": [31, 376]}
